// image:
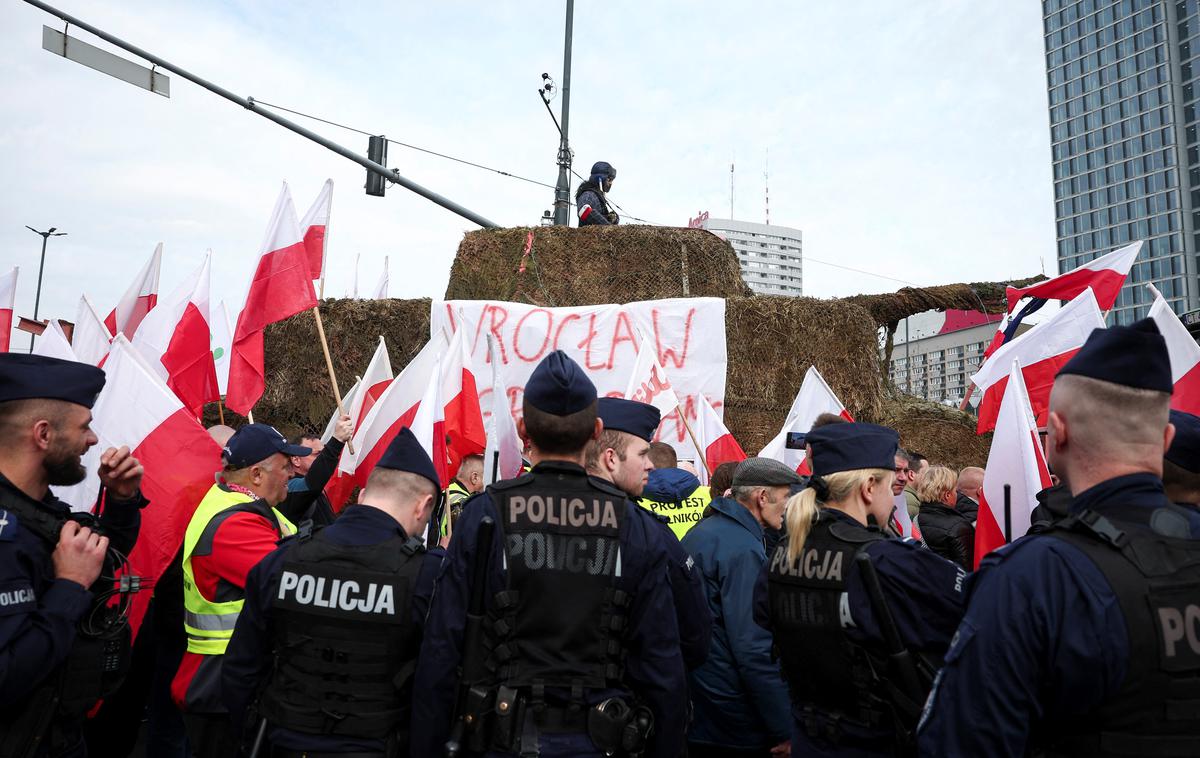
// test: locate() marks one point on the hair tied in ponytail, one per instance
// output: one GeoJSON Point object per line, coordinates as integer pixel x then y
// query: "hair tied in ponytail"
{"type": "Point", "coordinates": [819, 486]}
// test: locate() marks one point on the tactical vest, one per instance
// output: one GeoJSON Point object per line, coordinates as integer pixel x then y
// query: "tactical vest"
{"type": "Point", "coordinates": [561, 619]}
{"type": "Point", "coordinates": [826, 672]}
{"type": "Point", "coordinates": [344, 640]}
{"type": "Point", "coordinates": [50, 716]}
{"type": "Point", "coordinates": [1156, 579]}
{"type": "Point", "coordinates": [209, 623]}
{"type": "Point", "coordinates": [683, 514]}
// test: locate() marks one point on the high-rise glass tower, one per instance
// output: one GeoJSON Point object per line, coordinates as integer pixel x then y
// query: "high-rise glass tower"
{"type": "Point", "coordinates": [1122, 82]}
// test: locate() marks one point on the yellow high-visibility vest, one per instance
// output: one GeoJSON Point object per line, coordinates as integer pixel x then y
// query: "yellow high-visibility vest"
{"type": "Point", "coordinates": [683, 514]}
{"type": "Point", "coordinates": [209, 625]}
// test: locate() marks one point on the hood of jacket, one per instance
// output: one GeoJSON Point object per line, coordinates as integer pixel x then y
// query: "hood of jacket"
{"type": "Point", "coordinates": [665, 485]}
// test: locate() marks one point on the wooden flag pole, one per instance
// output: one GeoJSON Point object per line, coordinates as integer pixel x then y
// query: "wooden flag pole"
{"type": "Point", "coordinates": [250, 416]}
{"type": "Point", "coordinates": [699, 452]}
{"type": "Point", "coordinates": [337, 393]}
{"type": "Point", "coordinates": [221, 410]}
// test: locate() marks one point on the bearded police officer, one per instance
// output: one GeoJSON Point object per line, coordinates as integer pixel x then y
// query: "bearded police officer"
{"type": "Point", "coordinates": [332, 622]}
{"type": "Point", "coordinates": [621, 456]}
{"type": "Point", "coordinates": [1083, 640]}
{"type": "Point", "coordinates": [584, 655]}
{"type": "Point", "coordinates": [56, 657]}
{"type": "Point", "coordinates": [859, 620]}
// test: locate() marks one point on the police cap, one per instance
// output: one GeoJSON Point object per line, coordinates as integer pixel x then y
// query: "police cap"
{"type": "Point", "coordinates": [36, 377]}
{"type": "Point", "coordinates": [620, 415]}
{"type": "Point", "coordinates": [257, 442]}
{"type": "Point", "coordinates": [1185, 448]}
{"type": "Point", "coordinates": [404, 453]}
{"type": "Point", "coordinates": [1132, 356]}
{"type": "Point", "coordinates": [851, 447]}
{"type": "Point", "coordinates": [559, 387]}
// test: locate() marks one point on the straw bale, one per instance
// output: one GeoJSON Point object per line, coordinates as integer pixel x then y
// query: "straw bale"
{"type": "Point", "coordinates": [942, 434]}
{"type": "Point", "coordinates": [890, 307]}
{"type": "Point", "coordinates": [593, 265]}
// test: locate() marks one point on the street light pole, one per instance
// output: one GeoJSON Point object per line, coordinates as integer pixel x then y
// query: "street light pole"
{"type": "Point", "coordinates": [562, 190]}
{"type": "Point", "coordinates": [37, 300]}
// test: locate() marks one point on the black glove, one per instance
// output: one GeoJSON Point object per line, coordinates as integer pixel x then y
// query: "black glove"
{"type": "Point", "coordinates": [613, 218]}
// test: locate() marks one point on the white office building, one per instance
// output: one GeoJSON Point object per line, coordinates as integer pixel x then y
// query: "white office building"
{"type": "Point", "coordinates": [770, 256]}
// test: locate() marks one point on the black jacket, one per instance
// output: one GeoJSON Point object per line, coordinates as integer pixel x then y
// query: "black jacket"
{"type": "Point", "coordinates": [948, 533]}
{"type": "Point", "coordinates": [967, 507]}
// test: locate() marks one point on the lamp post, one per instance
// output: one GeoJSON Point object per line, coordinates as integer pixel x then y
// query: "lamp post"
{"type": "Point", "coordinates": [37, 301]}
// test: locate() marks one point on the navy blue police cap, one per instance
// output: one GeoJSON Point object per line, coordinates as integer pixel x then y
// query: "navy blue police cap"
{"type": "Point", "coordinates": [404, 453]}
{"type": "Point", "coordinates": [36, 377]}
{"type": "Point", "coordinates": [258, 442]}
{"type": "Point", "coordinates": [559, 387]}
{"type": "Point", "coordinates": [1132, 356]}
{"type": "Point", "coordinates": [850, 447]}
{"type": "Point", "coordinates": [1185, 448]}
{"type": "Point", "coordinates": [621, 415]}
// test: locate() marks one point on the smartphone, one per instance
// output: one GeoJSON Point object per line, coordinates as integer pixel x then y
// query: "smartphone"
{"type": "Point", "coordinates": [795, 441]}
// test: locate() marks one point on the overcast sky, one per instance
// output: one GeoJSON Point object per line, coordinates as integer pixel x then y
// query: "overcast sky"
{"type": "Point", "coordinates": [906, 139]}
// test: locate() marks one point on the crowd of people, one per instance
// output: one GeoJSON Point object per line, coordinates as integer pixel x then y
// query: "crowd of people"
{"type": "Point", "coordinates": [605, 602]}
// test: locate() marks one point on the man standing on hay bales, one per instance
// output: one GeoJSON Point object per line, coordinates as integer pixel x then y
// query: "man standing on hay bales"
{"type": "Point", "coordinates": [590, 201]}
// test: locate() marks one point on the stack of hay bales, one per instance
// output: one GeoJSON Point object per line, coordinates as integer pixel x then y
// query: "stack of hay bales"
{"type": "Point", "coordinates": [771, 340]}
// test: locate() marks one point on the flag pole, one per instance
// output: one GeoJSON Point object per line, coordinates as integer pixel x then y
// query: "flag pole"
{"type": "Point", "coordinates": [221, 410]}
{"type": "Point", "coordinates": [250, 416]}
{"type": "Point", "coordinates": [699, 452]}
{"type": "Point", "coordinates": [337, 393]}
{"type": "Point", "coordinates": [1007, 513]}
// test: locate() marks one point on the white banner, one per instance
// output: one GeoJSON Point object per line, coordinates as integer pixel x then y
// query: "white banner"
{"type": "Point", "coordinates": [688, 334]}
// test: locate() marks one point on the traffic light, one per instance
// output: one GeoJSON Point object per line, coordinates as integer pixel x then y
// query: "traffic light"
{"type": "Point", "coordinates": [377, 151]}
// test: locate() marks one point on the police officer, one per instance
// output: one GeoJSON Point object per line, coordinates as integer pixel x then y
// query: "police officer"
{"type": "Point", "coordinates": [854, 691]}
{"type": "Point", "coordinates": [332, 622]}
{"type": "Point", "coordinates": [233, 528]}
{"type": "Point", "coordinates": [590, 201]}
{"type": "Point", "coordinates": [1083, 640]}
{"type": "Point", "coordinates": [1181, 464]}
{"type": "Point", "coordinates": [59, 651]}
{"type": "Point", "coordinates": [585, 648]}
{"type": "Point", "coordinates": [621, 456]}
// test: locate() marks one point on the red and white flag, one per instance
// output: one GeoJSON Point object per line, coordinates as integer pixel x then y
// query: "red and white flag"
{"type": "Point", "coordinates": [1041, 351]}
{"type": "Point", "coordinates": [137, 409]}
{"type": "Point", "coordinates": [358, 402]}
{"type": "Point", "coordinates": [903, 522]}
{"type": "Point", "coordinates": [1104, 276]}
{"type": "Point", "coordinates": [649, 382]}
{"type": "Point", "coordinates": [222, 344]}
{"type": "Point", "coordinates": [280, 288]}
{"type": "Point", "coordinates": [381, 288]}
{"type": "Point", "coordinates": [718, 442]}
{"type": "Point", "coordinates": [90, 338]}
{"type": "Point", "coordinates": [814, 398]}
{"type": "Point", "coordinates": [53, 343]}
{"type": "Point", "coordinates": [1016, 459]}
{"type": "Point", "coordinates": [429, 427]}
{"type": "Point", "coordinates": [462, 415]}
{"type": "Point", "coordinates": [8, 300]}
{"type": "Point", "coordinates": [138, 300]}
{"type": "Point", "coordinates": [315, 228]}
{"type": "Point", "coordinates": [176, 341]}
{"type": "Point", "coordinates": [1185, 355]}
{"type": "Point", "coordinates": [502, 458]}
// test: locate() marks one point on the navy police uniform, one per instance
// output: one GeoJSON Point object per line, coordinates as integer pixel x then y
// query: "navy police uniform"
{"type": "Point", "coordinates": [328, 636]}
{"type": "Point", "coordinates": [1185, 448]}
{"type": "Point", "coordinates": [846, 696]}
{"type": "Point", "coordinates": [692, 613]}
{"type": "Point", "coordinates": [581, 626]}
{"type": "Point", "coordinates": [1082, 640]}
{"type": "Point", "coordinates": [51, 671]}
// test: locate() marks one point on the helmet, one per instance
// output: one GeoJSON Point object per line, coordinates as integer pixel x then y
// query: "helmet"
{"type": "Point", "coordinates": [603, 169]}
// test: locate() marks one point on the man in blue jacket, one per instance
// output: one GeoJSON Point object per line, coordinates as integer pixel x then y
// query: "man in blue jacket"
{"type": "Point", "coordinates": [739, 698]}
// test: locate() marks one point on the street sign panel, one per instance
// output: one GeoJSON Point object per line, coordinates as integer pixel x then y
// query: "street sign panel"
{"type": "Point", "coordinates": [105, 62]}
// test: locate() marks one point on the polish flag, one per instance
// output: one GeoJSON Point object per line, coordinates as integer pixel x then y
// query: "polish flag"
{"type": "Point", "coordinates": [1041, 351]}
{"type": "Point", "coordinates": [381, 288]}
{"type": "Point", "coordinates": [176, 340]}
{"type": "Point", "coordinates": [1015, 459]}
{"type": "Point", "coordinates": [358, 403]}
{"type": "Point", "coordinates": [429, 427]}
{"type": "Point", "coordinates": [717, 441]}
{"type": "Point", "coordinates": [1104, 276]}
{"type": "Point", "coordinates": [281, 288]}
{"type": "Point", "coordinates": [138, 300]}
{"type": "Point", "coordinates": [315, 227]}
{"type": "Point", "coordinates": [395, 408]}
{"type": "Point", "coordinates": [90, 338]}
{"type": "Point", "coordinates": [53, 343]}
{"type": "Point", "coordinates": [462, 415]}
{"type": "Point", "coordinates": [1185, 355]}
{"type": "Point", "coordinates": [8, 300]}
{"type": "Point", "coordinates": [814, 398]}
{"type": "Point", "coordinates": [502, 458]}
{"type": "Point", "coordinates": [649, 383]}
{"type": "Point", "coordinates": [138, 410]}
{"type": "Point", "coordinates": [902, 521]}
{"type": "Point", "coordinates": [222, 344]}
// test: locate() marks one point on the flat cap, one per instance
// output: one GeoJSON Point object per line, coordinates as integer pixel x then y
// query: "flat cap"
{"type": "Point", "coordinates": [37, 377]}
{"type": "Point", "coordinates": [404, 453]}
{"type": "Point", "coordinates": [621, 415]}
{"type": "Point", "coordinates": [558, 386]}
{"type": "Point", "coordinates": [258, 442]}
{"type": "Point", "coordinates": [1133, 356]}
{"type": "Point", "coordinates": [764, 472]}
{"type": "Point", "coordinates": [1185, 448]}
{"type": "Point", "coordinates": [851, 447]}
